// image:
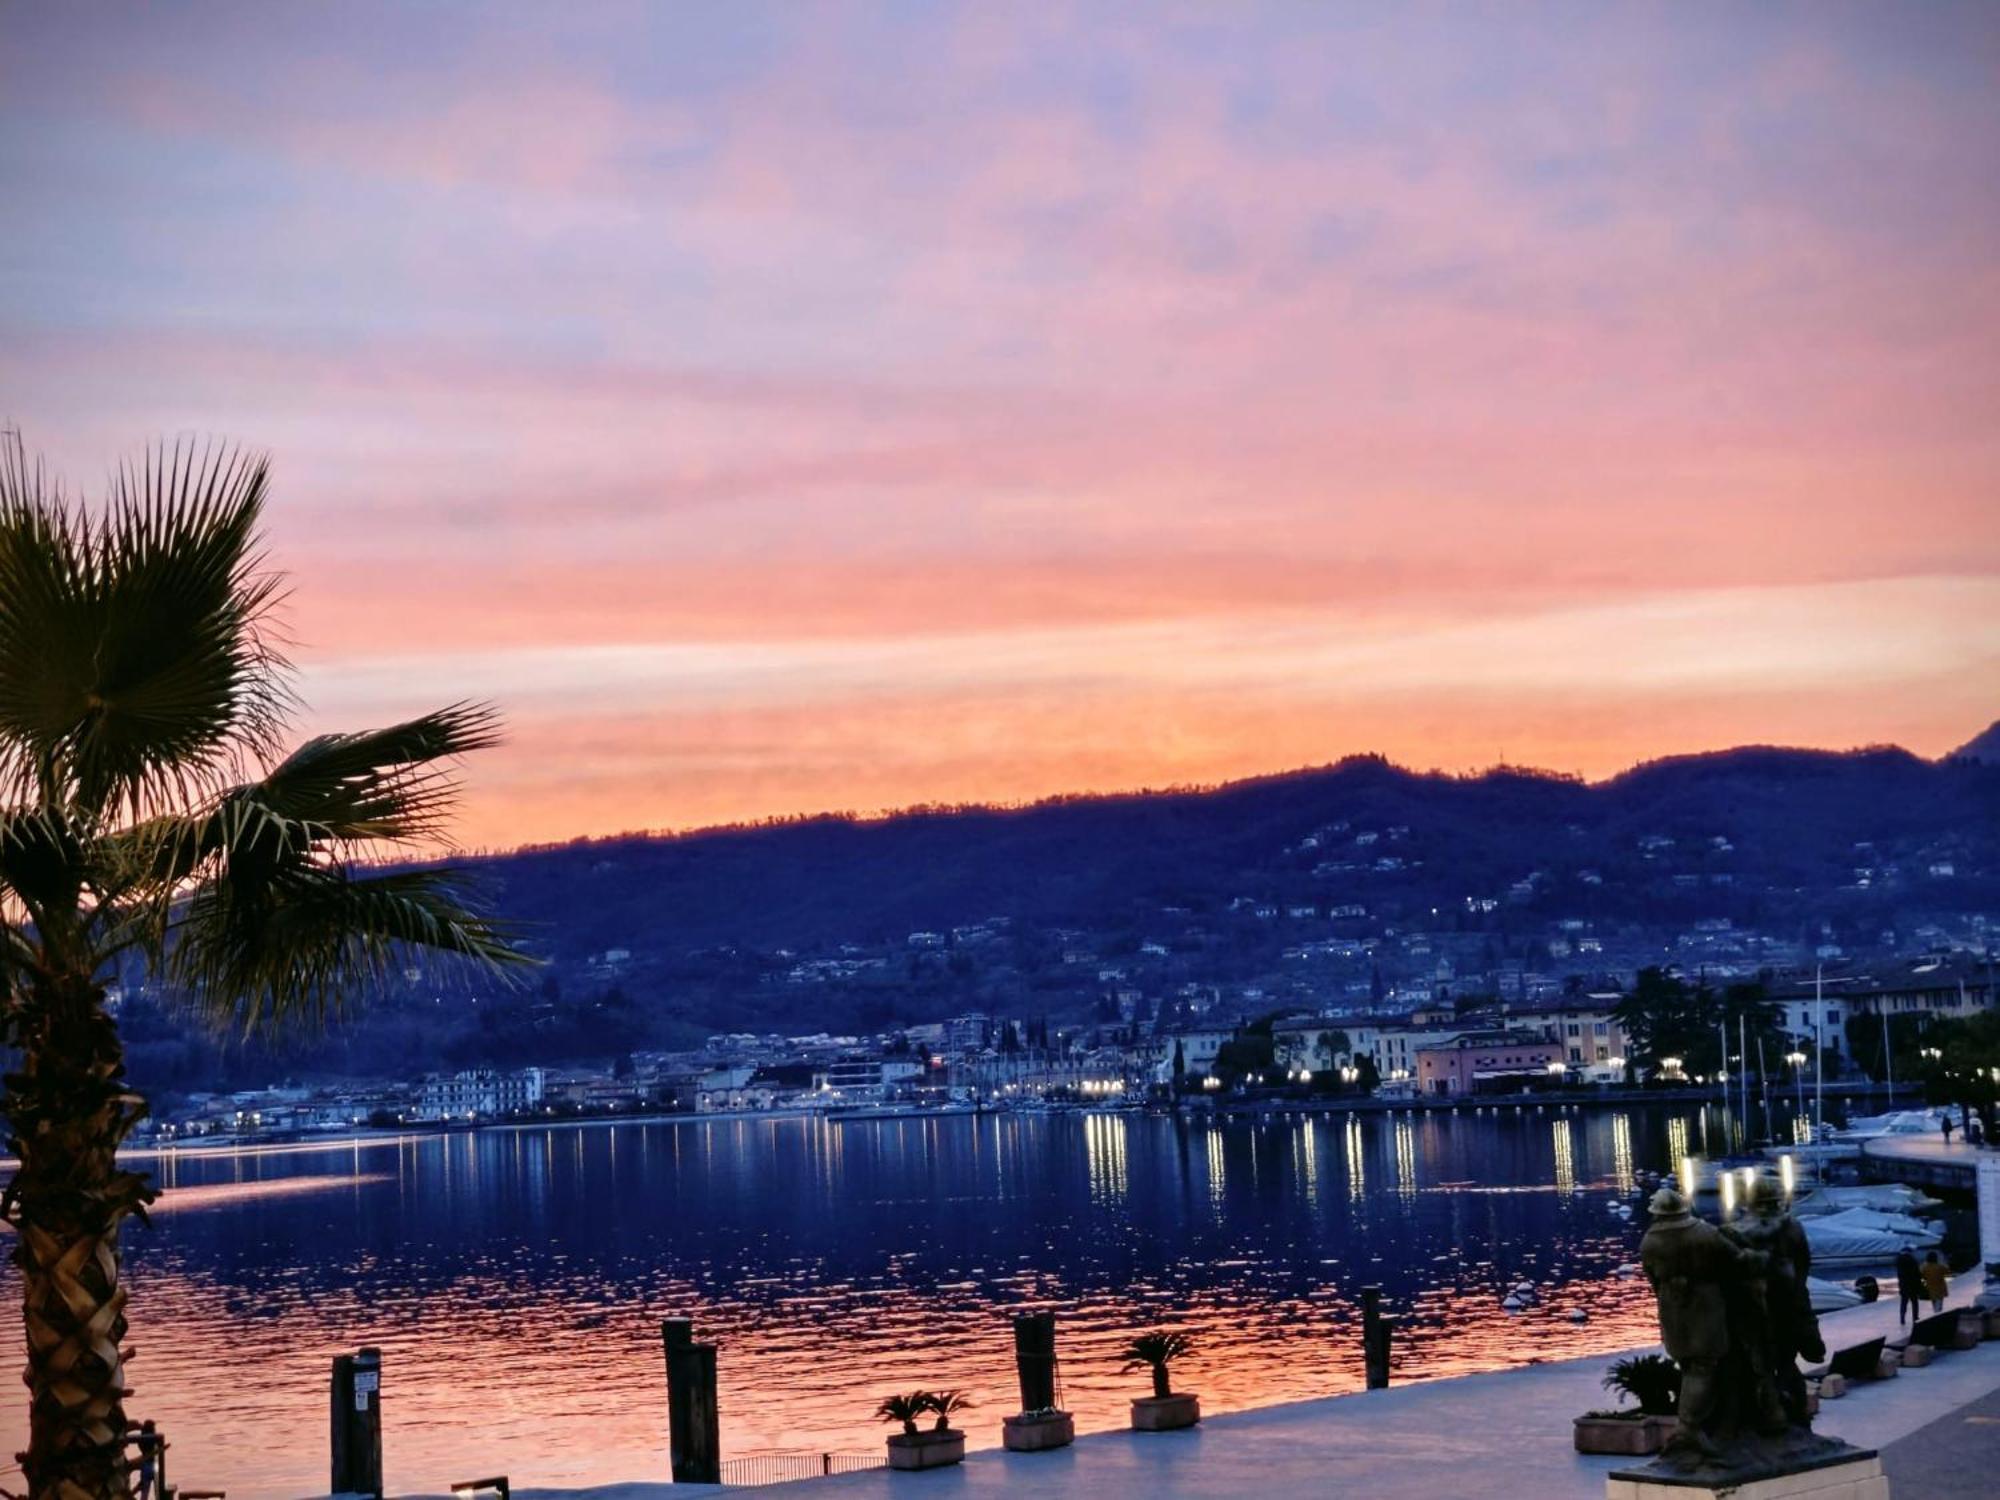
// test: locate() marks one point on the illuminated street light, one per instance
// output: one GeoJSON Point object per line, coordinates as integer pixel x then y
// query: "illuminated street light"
{"type": "Point", "coordinates": [1798, 1062]}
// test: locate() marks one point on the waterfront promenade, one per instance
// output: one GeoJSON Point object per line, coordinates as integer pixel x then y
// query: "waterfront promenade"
{"type": "Point", "coordinates": [1925, 1161]}
{"type": "Point", "coordinates": [1495, 1436]}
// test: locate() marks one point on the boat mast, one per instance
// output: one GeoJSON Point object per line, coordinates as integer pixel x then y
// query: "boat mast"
{"type": "Point", "coordinates": [1819, 1049]}
{"type": "Point", "coordinates": [1743, 1072]}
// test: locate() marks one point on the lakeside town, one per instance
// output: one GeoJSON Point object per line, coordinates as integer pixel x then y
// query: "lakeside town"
{"type": "Point", "coordinates": [1197, 1050]}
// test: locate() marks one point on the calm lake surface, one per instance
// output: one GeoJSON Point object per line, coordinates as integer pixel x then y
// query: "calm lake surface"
{"type": "Point", "coordinates": [514, 1278]}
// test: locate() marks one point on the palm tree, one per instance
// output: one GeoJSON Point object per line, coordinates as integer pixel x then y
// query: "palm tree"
{"type": "Point", "coordinates": [147, 819]}
{"type": "Point", "coordinates": [905, 1409]}
{"type": "Point", "coordinates": [1155, 1351]}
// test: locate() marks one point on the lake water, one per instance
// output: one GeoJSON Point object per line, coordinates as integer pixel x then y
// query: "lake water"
{"type": "Point", "coordinates": [514, 1278]}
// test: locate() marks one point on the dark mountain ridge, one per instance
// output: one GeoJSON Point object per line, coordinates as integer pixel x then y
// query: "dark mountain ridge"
{"type": "Point", "coordinates": [1325, 886]}
{"type": "Point", "coordinates": [1793, 815]}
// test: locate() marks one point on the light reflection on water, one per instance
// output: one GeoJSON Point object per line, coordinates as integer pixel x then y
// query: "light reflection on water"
{"type": "Point", "coordinates": [514, 1279]}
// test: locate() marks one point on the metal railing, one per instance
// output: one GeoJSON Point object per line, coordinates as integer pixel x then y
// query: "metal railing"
{"type": "Point", "coordinates": [782, 1466]}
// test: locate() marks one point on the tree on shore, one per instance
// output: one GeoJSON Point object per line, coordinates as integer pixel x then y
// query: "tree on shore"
{"type": "Point", "coordinates": [148, 817]}
{"type": "Point", "coordinates": [1665, 1016]}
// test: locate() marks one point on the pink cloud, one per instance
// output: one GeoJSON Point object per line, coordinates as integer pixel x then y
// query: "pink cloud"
{"type": "Point", "coordinates": [992, 325]}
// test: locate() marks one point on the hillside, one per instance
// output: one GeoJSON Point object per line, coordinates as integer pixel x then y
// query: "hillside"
{"type": "Point", "coordinates": [1328, 885]}
{"type": "Point", "coordinates": [1984, 746]}
{"type": "Point", "coordinates": [1792, 817]}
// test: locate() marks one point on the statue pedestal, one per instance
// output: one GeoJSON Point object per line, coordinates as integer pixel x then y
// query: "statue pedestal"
{"type": "Point", "coordinates": [1855, 1475]}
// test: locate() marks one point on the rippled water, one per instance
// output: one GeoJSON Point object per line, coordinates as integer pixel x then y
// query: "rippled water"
{"type": "Point", "coordinates": [514, 1279]}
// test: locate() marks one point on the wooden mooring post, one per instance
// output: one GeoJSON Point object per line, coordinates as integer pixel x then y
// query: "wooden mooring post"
{"type": "Point", "coordinates": [1376, 1329]}
{"type": "Point", "coordinates": [355, 1428]}
{"type": "Point", "coordinates": [1035, 1360]}
{"type": "Point", "coordinates": [694, 1438]}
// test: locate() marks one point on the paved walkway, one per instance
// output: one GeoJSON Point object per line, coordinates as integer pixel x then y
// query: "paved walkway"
{"type": "Point", "coordinates": [1952, 1459]}
{"type": "Point", "coordinates": [1497, 1436]}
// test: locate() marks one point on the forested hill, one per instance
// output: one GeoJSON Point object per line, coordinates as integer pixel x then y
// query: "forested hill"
{"type": "Point", "coordinates": [1346, 883]}
{"type": "Point", "coordinates": [1793, 822]}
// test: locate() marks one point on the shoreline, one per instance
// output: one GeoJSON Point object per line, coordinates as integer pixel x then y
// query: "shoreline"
{"type": "Point", "coordinates": [1201, 1108]}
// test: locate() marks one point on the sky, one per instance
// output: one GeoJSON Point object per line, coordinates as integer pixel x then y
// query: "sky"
{"type": "Point", "coordinates": [799, 407]}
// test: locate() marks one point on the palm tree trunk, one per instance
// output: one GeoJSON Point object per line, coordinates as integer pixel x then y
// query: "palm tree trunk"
{"type": "Point", "coordinates": [68, 1110]}
{"type": "Point", "coordinates": [1161, 1389]}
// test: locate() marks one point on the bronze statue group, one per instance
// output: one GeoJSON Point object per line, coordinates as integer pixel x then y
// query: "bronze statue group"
{"type": "Point", "coordinates": [1736, 1316]}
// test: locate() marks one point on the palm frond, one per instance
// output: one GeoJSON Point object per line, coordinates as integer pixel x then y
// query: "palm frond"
{"type": "Point", "coordinates": [263, 947]}
{"type": "Point", "coordinates": [136, 664]}
{"type": "Point", "coordinates": [41, 861]}
{"type": "Point", "coordinates": [906, 1407]}
{"type": "Point", "coordinates": [336, 800]}
{"type": "Point", "coordinates": [1155, 1349]}
{"type": "Point", "coordinates": [380, 785]}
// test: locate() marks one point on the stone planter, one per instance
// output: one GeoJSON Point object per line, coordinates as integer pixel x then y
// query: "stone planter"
{"type": "Point", "coordinates": [1971, 1327]}
{"type": "Point", "coordinates": [1992, 1316]}
{"type": "Point", "coordinates": [1916, 1356]}
{"type": "Point", "coordinates": [1034, 1431]}
{"type": "Point", "coordinates": [926, 1450]}
{"type": "Point", "coordinates": [1633, 1436]}
{"type": "Point", "coordinates": [1165, 1413]}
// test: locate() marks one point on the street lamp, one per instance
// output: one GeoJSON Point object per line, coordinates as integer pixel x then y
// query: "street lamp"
{"type": "Point", "coordinates": [1798, 1062]}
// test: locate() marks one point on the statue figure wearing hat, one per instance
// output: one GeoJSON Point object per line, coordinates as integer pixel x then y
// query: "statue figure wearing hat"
{"type": "Point", "coordinates": [1779, 1324]}
{"type": "Point", "coordinates": [1692, 1265]}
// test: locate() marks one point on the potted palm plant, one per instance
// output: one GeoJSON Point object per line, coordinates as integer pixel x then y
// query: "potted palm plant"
{"type": "Point", "coordinates": [915, 1448]}
{"type": "Point", "coordinates": [1654, 1383]}
{"type": "Point", "coordinates": [946, 1404]}
{"type": "Point", "coordinates": [1164, 1410]}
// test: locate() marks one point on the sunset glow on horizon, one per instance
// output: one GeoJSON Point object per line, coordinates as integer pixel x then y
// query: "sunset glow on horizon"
{"type": "Point", "coordinates": [779, 409]}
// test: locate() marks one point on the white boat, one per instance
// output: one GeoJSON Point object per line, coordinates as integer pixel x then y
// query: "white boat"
{"type": "Point", "coordinates": [1885, 1197]}
{"type": "Point", "coordinates": [1847, 1247]}
{"type": "Point", "coordinates": [1897, 1122]}
{"type": "Point", "coordinates": [1921, 1236]}
{"type": "Point", "coordinates": [1830, 1296]}
{"type": "Point", "coordinates": [1817, 1151]}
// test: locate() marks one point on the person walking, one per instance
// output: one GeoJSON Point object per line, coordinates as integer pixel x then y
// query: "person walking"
{"type": "Point", "coordinates": [1937, 1280]}
{"type": "Point", "coordinates": [1909, 1285]}
{"type": "Point", "coordinates": [1945, 1125]}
